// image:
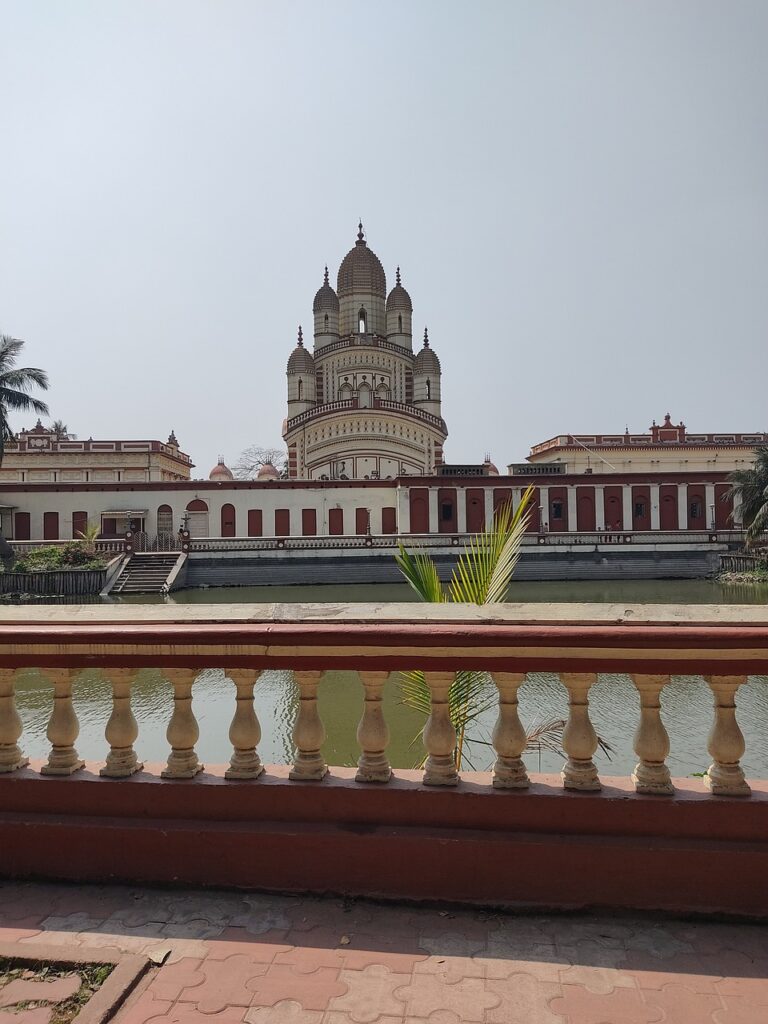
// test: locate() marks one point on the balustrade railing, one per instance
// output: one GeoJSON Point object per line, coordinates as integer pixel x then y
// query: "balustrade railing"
{"type": "Point", "coordinates": [715, 643]}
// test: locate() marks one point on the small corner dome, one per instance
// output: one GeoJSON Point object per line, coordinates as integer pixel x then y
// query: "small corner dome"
{"type": "Point", "coordinates": [399, 299]}
{"type": "Point", "coordinates": [490, 468]}
{"type": "Point", "coordinates": [267, 472]}
{"type": "Point", "coordinates": [221, 472]}
{"type": "Point", "coordinates": [326, 299]}
{"type": "Point", "coordinates": [426, 361]}
{"type": "Point", "coordinates": [300, 360]}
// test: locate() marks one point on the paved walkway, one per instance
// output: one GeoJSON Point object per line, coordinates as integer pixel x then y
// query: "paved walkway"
{"type": "Point", "coordinates": [229, 958]}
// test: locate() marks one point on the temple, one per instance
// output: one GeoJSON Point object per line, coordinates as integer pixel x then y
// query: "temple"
{"type": "Point", "coordinates": [361, 405]}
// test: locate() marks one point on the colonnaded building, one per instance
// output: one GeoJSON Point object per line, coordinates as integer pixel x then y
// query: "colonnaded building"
{"type": "Point", "coordinates": [365, 437]}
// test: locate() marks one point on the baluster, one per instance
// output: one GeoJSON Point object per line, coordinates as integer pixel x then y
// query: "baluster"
{"type": "Point", "coordinates": [579, 736]}
{"type": "Point", "coordinates": [651, 774]}
{"type": "Point", "coordinates": [183, 730]}
{"type": "Point", "coordinates": [122, 729]}
{"type": "Point", "coordinates": [11, 757]}
{"type": "Point", "coordinates": [372, 732]}
{"type": "Point", "coordinates": [726, 741]}
{"type": "Point", "coordinates": [308, 730]}
{"type": "Point", "coordinates": [245, 731]}
{"type": "Point", "coordinates": [63, 726]}
{"type": "Point", "coordinates": [509, 737]}
{"type": "Point", "coordinates": [439, 733]}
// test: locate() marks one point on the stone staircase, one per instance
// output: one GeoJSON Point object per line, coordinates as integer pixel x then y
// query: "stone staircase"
{"type": "Point", "coordinates": [145, 573]}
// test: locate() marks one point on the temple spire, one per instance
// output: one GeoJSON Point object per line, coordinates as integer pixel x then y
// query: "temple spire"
{"type": "Point", "coordinates": [426, 338]}
{"type": "Point", "coordinates": [397, 276]}
{"type": "Point", "coordinates": [301, 337]}
{"type": "Point", "coordinates": [325, 276]}
{"type": "Point", "coordinates": [360, 233]}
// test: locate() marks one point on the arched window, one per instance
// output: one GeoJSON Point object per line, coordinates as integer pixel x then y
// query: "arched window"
{"type": "Point", "coordinates": [362, 321]}
{"type": "Point", "coordinates": [364, 396]}
{"type": "Point", "coordinates": [164, 519]}
{"type": "Point", "coordinates": [345, 392]}
{"type": "Point", "coordinates": [301, 389]}
{"type": "Point", "coordinates": [429, 389]}
{"type": "Point", "coordinates": [400, 323]}
{"type": "Point", "coordinates": [326, 321]}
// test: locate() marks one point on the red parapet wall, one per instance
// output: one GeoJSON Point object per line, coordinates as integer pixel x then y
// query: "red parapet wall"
{"type": "Point", "coordinates": [546, 847]}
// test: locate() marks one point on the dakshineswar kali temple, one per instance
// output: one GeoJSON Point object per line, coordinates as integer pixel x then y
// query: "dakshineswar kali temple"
{"type": "Point", "coordinates": [362, 405]}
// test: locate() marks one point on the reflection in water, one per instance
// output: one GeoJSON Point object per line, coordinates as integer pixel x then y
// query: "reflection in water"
{"type": "Point", "coordinates": [686, 707]}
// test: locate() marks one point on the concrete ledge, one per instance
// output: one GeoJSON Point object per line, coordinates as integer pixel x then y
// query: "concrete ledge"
{"type": "Point", "coordinates": [693, 852]}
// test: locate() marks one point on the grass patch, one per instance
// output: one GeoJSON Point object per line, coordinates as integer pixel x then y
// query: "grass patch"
{"type": "Point", "coordinates": [92, 977]}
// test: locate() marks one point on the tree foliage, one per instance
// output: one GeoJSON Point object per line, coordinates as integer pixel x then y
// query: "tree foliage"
{"type": "Point", "coordinates": [750, 487]}
{"type": "Point", "coordinates": [254, 457]}
{"type": "Point", "coordinates": [15, 385]}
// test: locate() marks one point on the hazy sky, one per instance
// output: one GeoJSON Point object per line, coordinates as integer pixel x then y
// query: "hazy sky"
{"type": "Point", "coordinates": [576, 192]}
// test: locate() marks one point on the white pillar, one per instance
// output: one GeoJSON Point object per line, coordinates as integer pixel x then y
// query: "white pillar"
{"type": "Point", "coordinates": [682, 506]}
{"type": "Point", "coordinates": [544, 502]}
{"type": "Point", "coordinates": [709, 511]}
{"type": "Point", "coordinates": [626, 500]}
{"type": "Point", "coordinates": [488, 506]}
{"type": "Point", "coordinates": [403, 510]}
{"type": "Point", "coordinates": [571, 524]}
{"type": "Point", "coordinates": [655, 508]}
{"type": "Point", "coordinates": [461, 510]}
{"type": "Point", "coordinates": [599, 507]}
{"type": "Point", "coordinates": [434, 522]}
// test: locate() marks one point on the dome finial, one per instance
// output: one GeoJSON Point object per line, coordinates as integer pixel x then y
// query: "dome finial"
{"type": "Point", "coordinates": [426, 338]}
{"type": "Point", "coordinates": [360, 233]}
{"type": "Point", "coordinates": [397, 276]}
{"type": "Point", "coordinates": [301, 337]}
{"type": "Point", "coordinates": [325, 276]}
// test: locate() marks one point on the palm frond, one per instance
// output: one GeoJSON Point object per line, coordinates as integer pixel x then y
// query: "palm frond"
{"type": "Point", "coordinates": [421, 574]}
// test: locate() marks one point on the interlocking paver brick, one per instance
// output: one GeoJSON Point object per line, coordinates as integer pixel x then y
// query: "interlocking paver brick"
{"type": "Point", "coordinates": [597, 979]}
{"type": "Point", "coordinates": [738, 1011]}
{"type": "Point", "coordinates": [143, 1007]}
{"type": "Point", "coordinates": [286, 1012]}
{"type": "Point", "coordinates": [239, 940]}
{"type": "Point", "coordinates": [451, 968]}
{"type": "Point", "coordinates": [524, 1000]}
{"type": "Point", "coordinates": [305, 959]}
{"type": "Point", "coordinates": [470, 999]}
{"type": "Point", "coordinates": [682, 1005]}
{"type": "Point", "coordinates": [32, 1015]}
{"type": "Point", "coordinates": [224, 983]}
{"type": "Point", "coordinates": [186, 1013]}
{"type": "Point", "coordinates": [622, 1006]}
{"type": "Point", "coordinates": [370, 994]}
{"type": "Point", "coordinates": [753, 990]}
{"type": "Point", "coordinates": [313, 991]}
{"type": "Point", "coordinates": [687, 969]}
{"type": "Point", "coordinates": [52, 990]}
{"type": "Point", "coordinates": [173, 979]}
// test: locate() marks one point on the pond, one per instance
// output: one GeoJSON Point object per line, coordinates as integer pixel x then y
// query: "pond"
{"type": "Point", "coordinates": [686, 702]}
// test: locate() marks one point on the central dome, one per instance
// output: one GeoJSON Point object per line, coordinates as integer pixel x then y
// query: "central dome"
{"type": "Point", "coordinates": [361, 271]}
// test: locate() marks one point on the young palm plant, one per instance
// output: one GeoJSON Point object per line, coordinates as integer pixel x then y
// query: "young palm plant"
{"type": "Point", "coordinates": [482, 576]}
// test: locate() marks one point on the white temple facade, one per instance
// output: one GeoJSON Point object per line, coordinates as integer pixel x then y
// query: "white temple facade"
{"type": "Point", "coordinates": [362, 405]}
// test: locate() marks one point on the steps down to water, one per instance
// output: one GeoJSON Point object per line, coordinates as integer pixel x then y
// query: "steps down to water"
{"type": "Point", "coordinates": [145, 573]}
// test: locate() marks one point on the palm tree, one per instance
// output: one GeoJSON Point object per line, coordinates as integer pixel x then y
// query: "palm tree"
{"type": "Point", "coordinates": [61, 430]}
{"type": "Point", "coordinates": [15, 385]}
{"type": "Point", "coordinates": [482, 576]}
{"type": "Point", "coordinates": [750, 486]}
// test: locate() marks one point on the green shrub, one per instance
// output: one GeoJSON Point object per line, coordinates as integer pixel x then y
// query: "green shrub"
{"type": "Point", "coordinates": [71, 555]}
